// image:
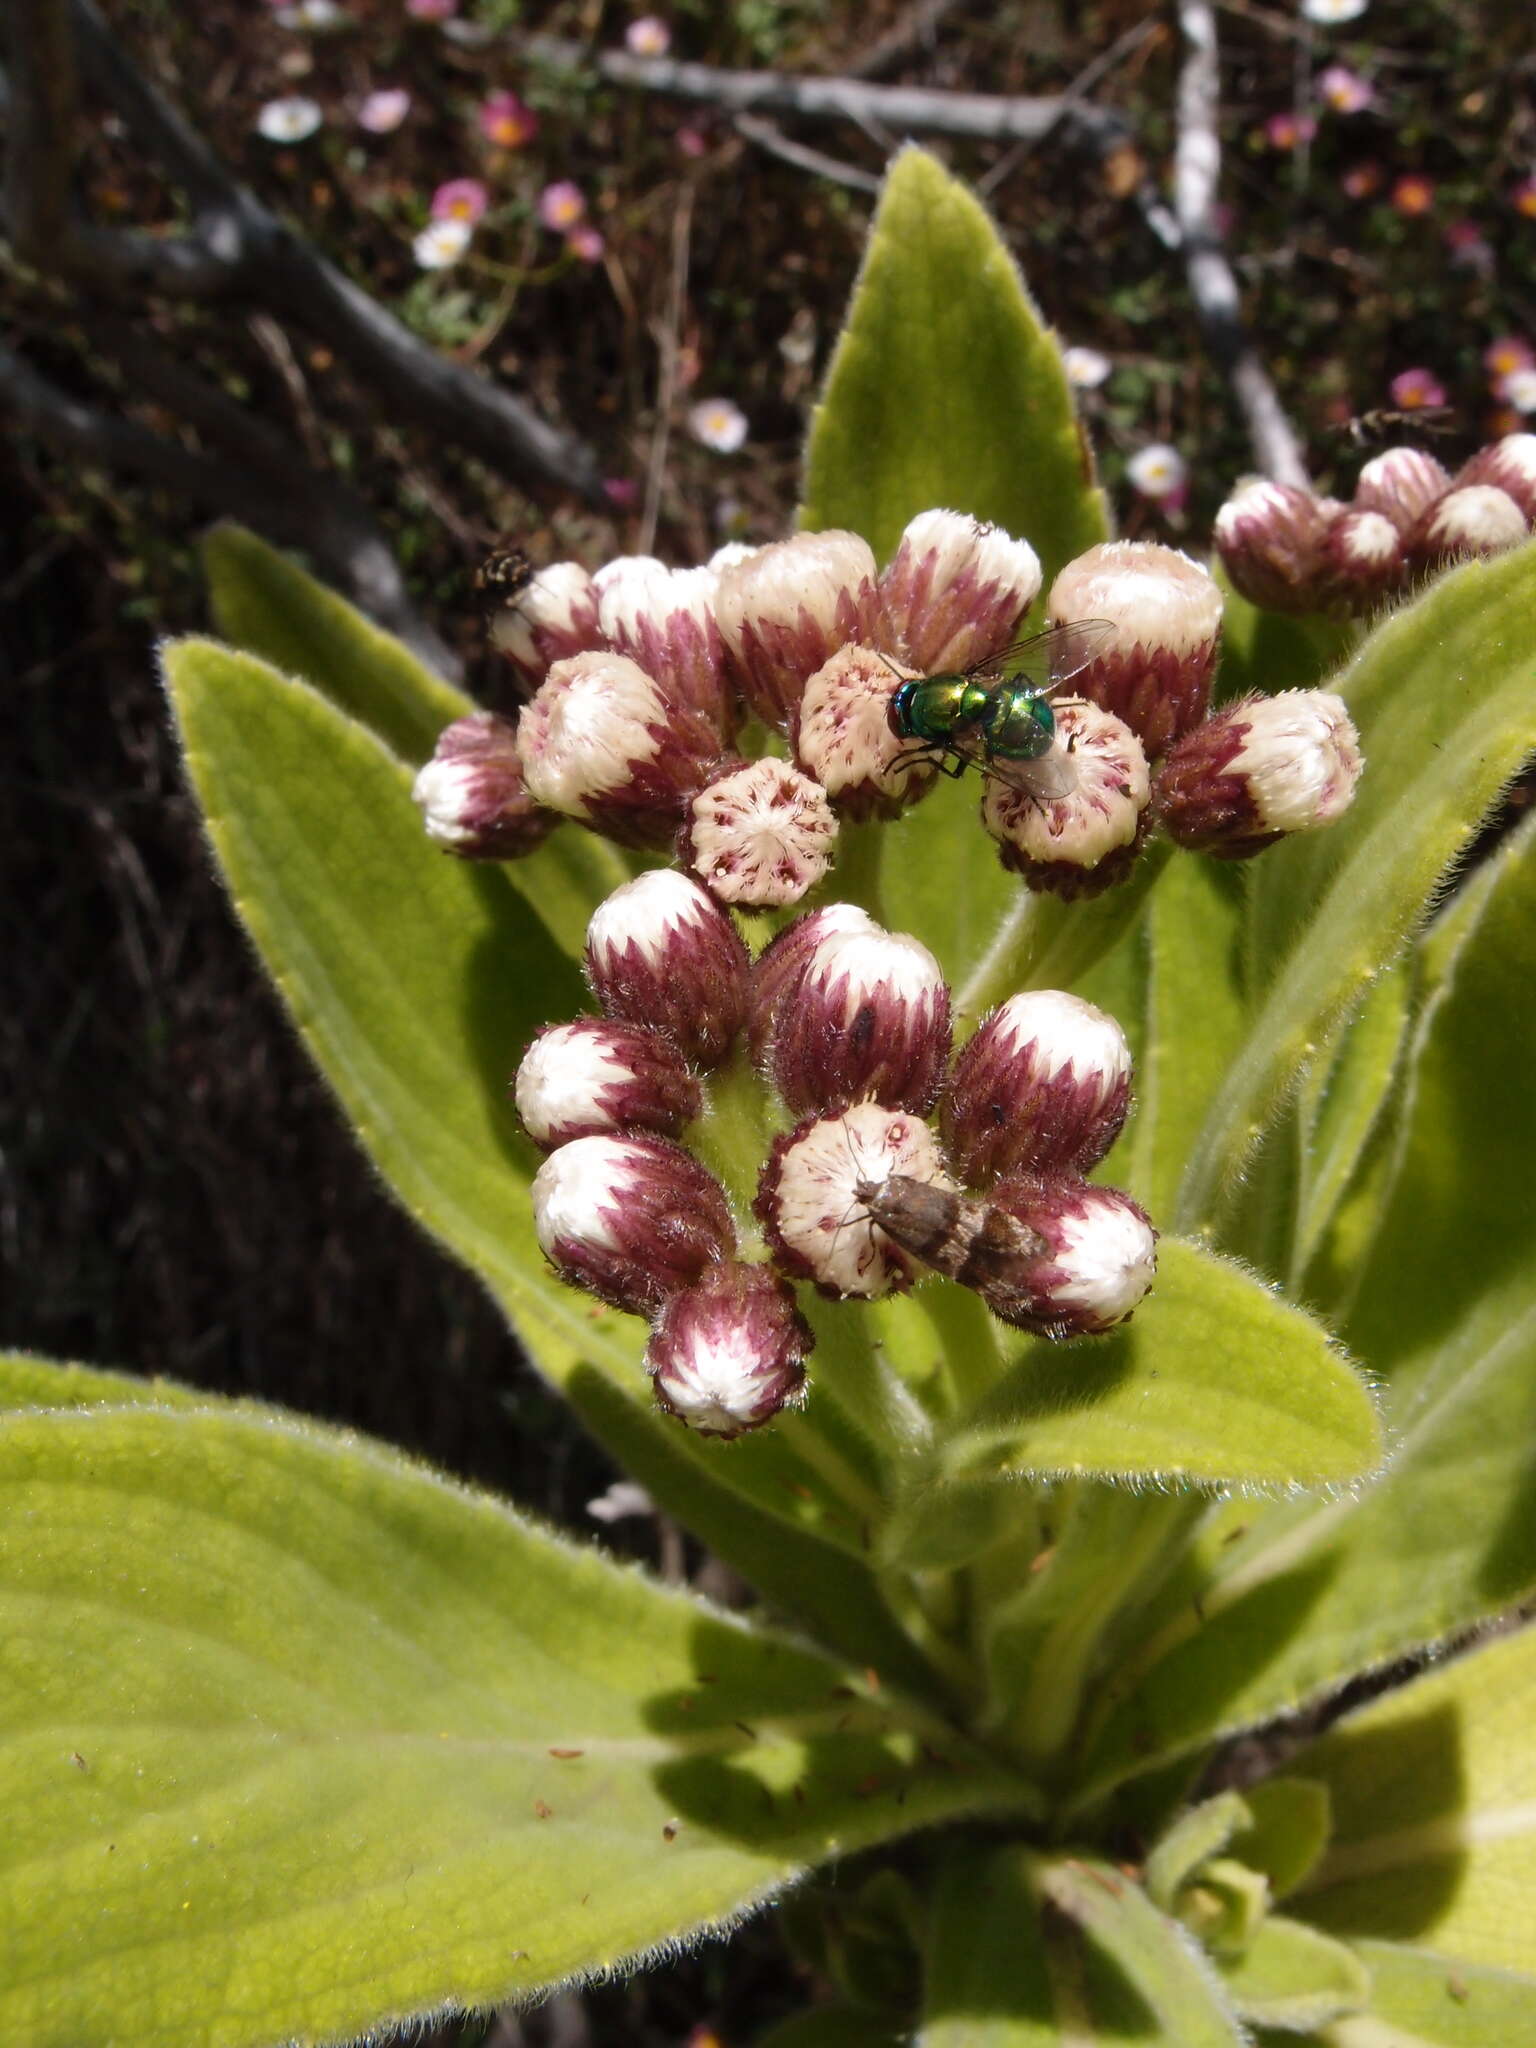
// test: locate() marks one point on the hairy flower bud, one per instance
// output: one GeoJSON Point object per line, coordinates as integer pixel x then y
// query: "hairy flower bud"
{"type": "Point", "coordinates": [1083, 842]}
{"type": "Point", "coordinates": [473, 798]}
{"type": "Point", "coordinates": [664, 619]}
{"type": "Point", "coordinates": [603, 742]}
{"type": "Point", "coordinates": [662, 953]}
{"type": "Point", "coordinates": [869, 1018]}
{"type": "Point", "coordinates": [777, 969]}
{"type": "Point", "coordinates": [630, 1219]}
{"type": "Point", "coordinates": [594, 1075]}
{"type": "Point", "coordinates": [547, 619]}
{"type": "Point", "coordinates": [759, 835]}
{"type": "Point", "coordinates": [844, 737]}
{"type": "Point", "coordinates": [1043, 1084]}
{"type": "Point", "coordinates": [1270, 538]}
{"type": "Point", "coordinates": [1154, 673]}
{"type": "Point", "coordinates": [1365, 558]}
{"type": "Point", "coordinates": [954, 591]}
{"type": "Point", "coordinates": [1510, 466]}
{"type": "Point", "coordinates": [809, 1205]}
{"type": "Point", "coordinates": [1477, 519]}
{"type": "Point", "coordinates": [788, 606]}
{"type": "Point", "coordinates": [1257, 770]}
{"type": "Point", "coordinates": [727, 1353]}
{"type": "Point", "coordinates": [1401, 484]}
{"type": "Point", "coordinates": [1098, 1259]}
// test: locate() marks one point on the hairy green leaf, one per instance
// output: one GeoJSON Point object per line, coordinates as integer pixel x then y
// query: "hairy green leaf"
{"type": "Point", "coordinates": [1421, 2000]}
{"type": "Point", "coordinates": [1434, 1812]}
{"type": "Point", "coordinates": [265, 604]}
{"type": "Point", "coordinates": [1441, 693]}
{"type": "Point", "coordinates": [945, 387]}
{"type": "Point", "coordinates": [298, 1739]}
{"type": "Point", "coordinates": [1291, 1976]}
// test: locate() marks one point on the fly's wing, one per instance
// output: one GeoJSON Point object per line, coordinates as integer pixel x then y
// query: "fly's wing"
{"type": "Point", "coordinates": [1051, 658]}
{"type": "Point", "coordinates": [1047, 780]}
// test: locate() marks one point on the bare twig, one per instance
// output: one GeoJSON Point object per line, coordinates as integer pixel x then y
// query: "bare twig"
{"type": "Point", "coordinates": [320, 516]}
{"type": "Point", "coordinates": [766, 135]}
{"type": "Point", "coordinates": [901, 109]}
{"type": "Point", "coordinates": [1197, 162]}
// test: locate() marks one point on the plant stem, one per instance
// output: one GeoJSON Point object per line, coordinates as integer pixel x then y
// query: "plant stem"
{"type": "Point", "coordinates": [967, 1339]}
{"type": "Point", "coordinates": [859, 851]}
{"type": "Point", "coordinates": [731, 1137]}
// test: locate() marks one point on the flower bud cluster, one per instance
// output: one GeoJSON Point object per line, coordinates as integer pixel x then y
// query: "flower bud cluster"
{"type": "Point", "coordinates": [850, 1025]}
{"type": "Point", "coordinates": [878, 681]}
{"type": "Point", "coordinates": [1289, 551]}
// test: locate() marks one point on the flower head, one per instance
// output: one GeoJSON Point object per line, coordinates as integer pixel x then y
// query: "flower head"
{"type": "Point", "coordinates": [1260, 769]}
{"type": "Point", "coordinates": [1401, 483]}
{"type": "Point", "coordinates": [1271, 540]}
{"type": "Point", "coordinates": [1043, 1085]}
{"type": "Point", "coordinates": [1412, 195]}
{"type": "Point", "coordinates": [811, 1209]}
{"type": "Point", "coordinates": [1414, 389]}
{"type": "Point", "coordinates": [662, 953]}
{"type": "Point", "coordinates": [585, 243]}
{"type": "Point", "coordinates": [665, 620]}
{"type": "Point", "coordinates": [293, 119]}
{"type": "Point", "coordinates": [786, 607]}
{"type": "Point", "coordinates": [472, 794]}
{"type": "Point", "coordinates": [561, 205]}
{"type": "Point", "coordinates": [1509, 352]}
{"type": "Point", "coordinates": [1473, 519]}
{"type": "Point", "coordinates": [1086, 368]}
{"type": "Point", "coordinates": [718, 423]}
{"type": "Point", "coordinates": [1154, 670]}
{"type": "Point", "coordinates": [1519, 389]}
{"type": "Point", "coordinates": [320, 17]}
{"type": "Point", "coordinates": [1333, 13]}
{"type": "Point", "coordinates": [648, 36]}
{"type": "Point", "coordinates": [759, 835]}
{"type": "Point", "coordinates": [1345, 91]}
{"type": "Point", "coordinates": [1092, 1259]}
{"type": "Point", "coordinates": [844, 737]}
{"type": "Point", "coordinates": [461, 199]}
{"type": "Point", "coordinates": [550, 616]}
{"type": "Point", "coordinates": [1082, 842]}
{"type": "Point", "coordinates": [630, 1219]}
{"type": "Point", "coordinates": [868, 1016]}
{"type": "Point", "coordinates": [954, 591]}
{"type": "Point", "coordinates": [1523, 197]}
{"type": "Point", "coordinates": [727, 1353]}
{"type": "Point", "coordinates": [594, 1075]}
{"type": "Point", "coordinates": [507, 121]}
{"type": "Point", "coordinates": [441, 243]}
{"type": "Point", "coordinates": [1158, 471]}
{"type": "Point", "coordinates": [1363, 180]}
{"type": "Point", "coordinates": [1289, 130]}
{"type": "Point", "coordinates": [432, 10]}
{"type": "Point", "coordinates": [381, 112]}
{"type": "Point", "coordinates": [1510, 464]}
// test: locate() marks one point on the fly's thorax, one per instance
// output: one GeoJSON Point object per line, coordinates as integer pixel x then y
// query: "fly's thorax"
{"type": "Point", "coordinates": [934, 708]}
{"type": "Point", "coordinates": [1022, 726]}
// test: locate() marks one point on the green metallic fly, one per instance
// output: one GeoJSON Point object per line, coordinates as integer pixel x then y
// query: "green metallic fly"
{"type": "Point", "coordinates": [997, 715]}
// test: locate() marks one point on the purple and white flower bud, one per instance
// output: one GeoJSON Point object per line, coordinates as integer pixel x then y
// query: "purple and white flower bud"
{"type": "Point", "coordinates": [1477, 519]}
{"type": "Point", "coordinates": [630, 1219]}
{"type": "Point", "coordinates": [1043, 1086]}
{"type": "Point", "coordinates": [604, 742]}
{"type": "Point", "coordinates": [1270, 537]}
{"type": "Point", "coordinates": [1510, 466]}
{"type": "Point", "coordinates": [1365, 559]}
{"type": "Point", "coordinates": [954, 592]}
{"type": "Point", "coordinates": [1401, 484]}
{"type": "Point", "coordinates": [474, 800]}
{"type": "Point", "coordinates": [1154, 674]}
{"type": "Point", "coordinates": [662, 953]}
{"type": "Point", "coordinates": [844, 737]}
{"type": "Point", "coordinates": [809, 1205]}
{"type": "Point", "coordinates": [727, 1353]}
{"type": "Point", "coordinates": [1098, 1260]}
{"type": "Point", "coordinates": [788, 606]}
{"type": "Point", "coordinates": [1257, 770]}
{"type": "Point", "coordinates": [594, 1075]}
{"type": "Point", "coordinates": [1081, 843]}
{"type": "Point", "coordinates": [550, 618]}
{"type": "Point", "coordinates": [759, 835]}
{"type": "Point", "coordinates": [869, 1018]}
{"type": "Point", "coordinates": [777, 969]}
{"type": "Point", "coordinates": [664, 619]}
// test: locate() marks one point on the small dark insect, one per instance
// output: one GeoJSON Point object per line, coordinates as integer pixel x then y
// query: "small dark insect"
{"type": "Point", "coordinates": [502, 578]}
{"type": "Point", "coordinates": [1382, 422]}
{"type": "Point", "coordinates": [976, 1243]}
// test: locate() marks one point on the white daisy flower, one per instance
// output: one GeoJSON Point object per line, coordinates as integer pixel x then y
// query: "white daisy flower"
{"type": "Point", "coordinates": [718, 424]}
{"type": "Point", "coordinates": [288, 120]}
{"type": "Point", "coordinates": [441, 243]}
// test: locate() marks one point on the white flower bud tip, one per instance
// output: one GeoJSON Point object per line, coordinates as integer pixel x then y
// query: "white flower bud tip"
{"type": "Point", "coordinates": [661, 952]}
{"type": "Point", "coordinates": [955, 590]}
{"type": "Point", "coordinates": [1043, 1084]}
{"type": "Point", "coordinates": [761, 835]}
{"type": "Point", "coordinates": [594, 1075]}
{"type": "Point", "coordinates": [728, 1353]}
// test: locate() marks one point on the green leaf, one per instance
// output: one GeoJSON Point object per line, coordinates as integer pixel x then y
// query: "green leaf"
{"type": "Point", "coordinates": [1420, 2000]}
{"type": "Point", "coordinates": [1434, 1812]}
{"type": "Point", "coordinates": [416, 981]}
{"type": "Point", "coordinates": [1202, 1832]}
{"type": "Point", "coordinates": [1214, 1381]}
{"type": "Point", "coordinates": [1274, 650]}
{"type": "Point", "coordinates": [1030, 1951]}
{"type": "Point", "coordinates": [1291, 1820]}
{"type": "Point", "coordinates": [945, 387]}
{"type": "Point", "coordinates": [30, 1382]}
{"type": "Point", "coordinates": [832, 2026]}
{"type": "Point", "coordinates": [297, 1739]}
{"type": "Point", "coordinates": [266, 604]}
{"type": "Point", "coordinates": [1292, 1977]}
{"type": "Point", "coordinates": [1441, 693]}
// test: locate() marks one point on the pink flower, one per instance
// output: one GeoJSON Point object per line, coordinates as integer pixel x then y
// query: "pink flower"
{"type": "Point", "coordinates": [1412, 390]}
{"type": "Point", "coordinates": [1289, 131]}
{"type": "Point", "coordinates": [382, 112]}
{"type": "Point", "coordinates": [693, 142]}
{"type": "Point", "coordinates": [1413, 195]}
{"type": "Point", "coordinates": [1345, 91]}
{"type": "Point", "coordinates": [1509, 352]}
{"type": "Point", "coordinates": [585, 243]}
{"type": "Point", "coordinates": [622, 492]}
{"type": "Point", "coordinates": [648, 36]}
{"type": "Point", "coordinates": [1362, 181]}
{"type": "Point", "coordinates": [460, 199]}
{"type": "Point", "coordinates": [561, 206]}
{"type": "Point", "coordinates": [506, 121]}
{"type": "Point", "coordinates": [1524, 197]}
{"type": "Point", "coordinates": [1468, 245]}
{"type": "Point", "coordinates": [432, 10]}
